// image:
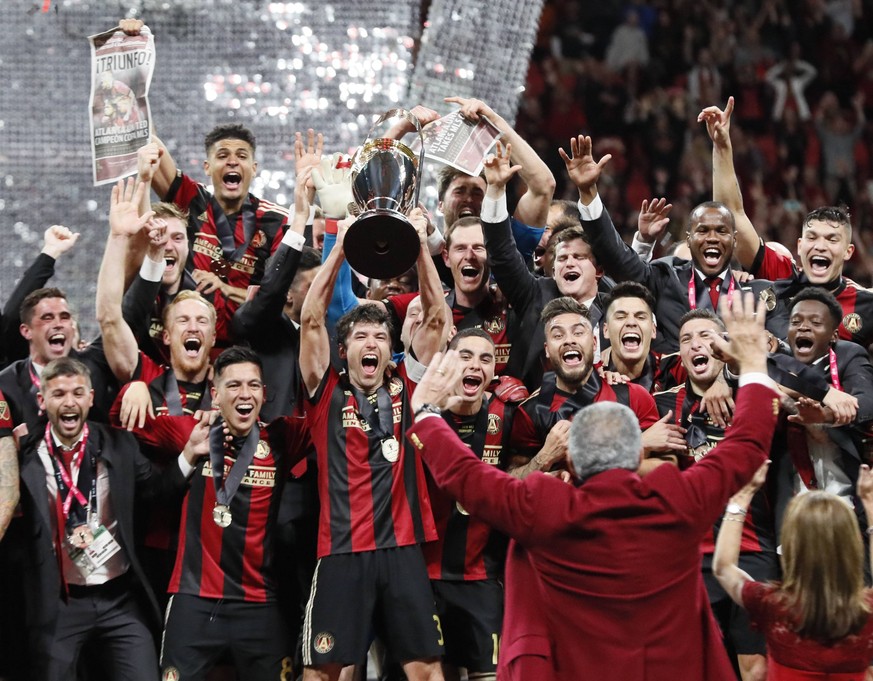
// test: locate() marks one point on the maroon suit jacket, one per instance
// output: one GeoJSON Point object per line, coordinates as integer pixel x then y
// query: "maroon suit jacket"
{"type": "Point", "coordinates": [603, 580]}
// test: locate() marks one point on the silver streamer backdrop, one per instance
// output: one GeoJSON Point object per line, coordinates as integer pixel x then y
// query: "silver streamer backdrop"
{"type": "Point", "coordinates": [275, 67]}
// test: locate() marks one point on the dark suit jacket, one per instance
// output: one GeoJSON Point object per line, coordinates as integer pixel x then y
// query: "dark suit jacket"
{"type": "Point", "coordinates": [261, 322]}
{"type": "Point", "coordinates": [667, 279]}
{"type": "Point", "coordinates": [617, 558]}
{"type": "Point", "coordinates": [130, 476]}
{"type": "Point", "coordinates": [527, 294]}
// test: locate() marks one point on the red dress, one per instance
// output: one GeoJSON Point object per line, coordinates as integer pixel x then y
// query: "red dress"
{"type": "Point", "coordinates": [791, 657]}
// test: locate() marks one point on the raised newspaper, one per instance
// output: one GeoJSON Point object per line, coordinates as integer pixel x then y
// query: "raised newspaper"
{"type": "Point", "coordinates": [121, 72]}
{"type": "Point", "coordinates": [460, 143]}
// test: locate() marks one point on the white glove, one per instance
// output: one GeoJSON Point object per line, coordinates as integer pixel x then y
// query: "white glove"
{"type": "Point", "coordinates": [333, 186]}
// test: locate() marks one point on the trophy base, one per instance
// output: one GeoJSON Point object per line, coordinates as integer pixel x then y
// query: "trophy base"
{"type": "Point", "coordinates": [381, 244]}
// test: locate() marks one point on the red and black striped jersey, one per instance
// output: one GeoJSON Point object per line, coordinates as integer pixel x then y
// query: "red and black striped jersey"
{"type": "Point", "coordinates": [538, 414]}
{"type": "Point", "coordinates": [492, 318]}
{"type": "Point", "coordinates": [857, 302]}
{"type": "Point", "coordinates": [367, 502]}
{"type": "Point", "coordinates": [161, 381]}
{"type": "Point", "coordinates": [236, 562]}
{"type": "Point", "coordinates": [6, 424]}
{"type": "Point", "coordinates": [207, 253]}
{"type": "Point", "coordinates": [702, 435]}
{"type": "Point", "coordinates": [468, 549]}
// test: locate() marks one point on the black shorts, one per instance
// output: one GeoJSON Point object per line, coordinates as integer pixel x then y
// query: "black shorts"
{"type": "Point", "coordinates": [354, 595]}
{"type": "Point", "coordinates": [734, 620]}
{"type": "Point", "coordinates": [200, 631]}
{"type": "Point", "coordinates": [471, 614]}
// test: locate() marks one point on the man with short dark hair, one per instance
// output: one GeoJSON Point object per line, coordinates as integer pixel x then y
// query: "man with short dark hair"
{"type": "Point", "coordinates": [375, 510]}
{"type": "Point", "coordinates": [82, 577]}
{"type": "Point", "coordinates": [231, 232]}
{"type": "Point", "coordinates": [614, 555]}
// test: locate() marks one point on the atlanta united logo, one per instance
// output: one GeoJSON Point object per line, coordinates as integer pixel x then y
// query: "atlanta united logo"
{"type": "Point", "coordinates": [852, 322]}
{"type": "Point", "coordinates": [323, 642]}
{"type": "Point", "coordinates": [4, 410]}
{"type": "Point", "coordinates": [395, 386]}
{"type": "Point", "coordinates": [263, 450]}
{"type": "Point", "coordinates": [259, 239]}
{"type": "Point", "coordinates": [494, 325]}
{"type": "Point", "coordinates": [493, 424]}
{"type": "Point", "coordinates": [203, 217]}
{"type": "Point", "coordinates": [171, 674]}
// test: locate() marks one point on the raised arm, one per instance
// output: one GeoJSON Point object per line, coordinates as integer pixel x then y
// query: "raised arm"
{"type": "Point", "coordinates": [314, 339]}
{"type": "Point", "coordinates": [725, 561]}
{"type": "Point", "coordinates": [9, 490]}
{"type": "Point", "coordinates": [533, 206]}
{"type": "Point", "coordinates": [725, 186]}
{"type": "Point", "coordinates": [125, 222]}
{"type": "Point", "coordinates": [430, 336]}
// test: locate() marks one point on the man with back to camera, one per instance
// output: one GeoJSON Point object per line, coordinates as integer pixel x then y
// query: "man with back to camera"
{"type": "Point", "coordinates": [614, 555]}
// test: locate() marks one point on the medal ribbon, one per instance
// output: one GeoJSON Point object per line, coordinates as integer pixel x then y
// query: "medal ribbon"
{"type": "Point", "coordinates": [224, 493]}
{"type": "Point", "coordinates": [835, 374]}
{"type": "Point", "coordinates": [67, 490]}
{"type": "Point", "coordinates": [383, 426]}
{"type": "Point", "coordinates": [225, 232]}
{"type": "Point", "coordinates": [173, 396]}
{"type": "Point", "coordinates": [692, 290]}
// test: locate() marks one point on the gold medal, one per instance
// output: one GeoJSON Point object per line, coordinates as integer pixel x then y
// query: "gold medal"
{"type": "Point", "coordinates": [221, 515]}
{"type": "Point", "coordinates": [391, 449]}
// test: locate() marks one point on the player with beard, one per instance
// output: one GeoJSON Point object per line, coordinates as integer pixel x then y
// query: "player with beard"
{"type": "Point", "coordinates": [570, 386]}
{"type": "Point", "coordinates": [231, 232]}
{"type": "Point", "coordinates": [576, 273]}
{"type": "Point", "coordinates": [678, 285]}
{"type": "Point", "coordinates": [824, 246]}
{"type": "Point", "coordinates": [375, 510]}
{"type": "Point", "coordinates": [466, 563]}
{"type": "Point", "coordinates": [629, 325]}
{"type": "Point", "coordinates": [822, 447]}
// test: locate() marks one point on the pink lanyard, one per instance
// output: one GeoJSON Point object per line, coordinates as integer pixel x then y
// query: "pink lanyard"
{"type": "Point", "coordinates": [835, 376]}
{"type": "Point", "coordinates": [692, 291]}
{"type": "Point", "coordinates": [74, 491]}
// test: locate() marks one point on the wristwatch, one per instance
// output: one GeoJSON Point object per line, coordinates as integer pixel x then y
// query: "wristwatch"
{"type": "Point", "coordinates": [735, 509]}
{"type": "Point", "coordinates": [427, 408]}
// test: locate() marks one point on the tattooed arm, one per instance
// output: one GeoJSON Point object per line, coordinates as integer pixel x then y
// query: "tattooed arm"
{"type": "Point", "coordinates": [8, 482]}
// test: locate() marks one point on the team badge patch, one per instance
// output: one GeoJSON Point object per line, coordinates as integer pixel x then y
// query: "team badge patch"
{"type": "Point", "coordinates": [203, 217]}
{"type": "Point", "coordinates": [263, 450]}
{"type": "Point", "coordinates": [493, 424]}
{"type": "Point", "coordinates": [494, 325]}
{"type": "Point", "coordinates": [395, 386]}
{"type": "Point", "coordinates": [171, 674]}
{"type": "Point", "coordinates": [4, 411]}
{"type": "Point", "coordinates": [768, 295]}
{"type": "Point", "coordinates": [259, 239]}
{"type": "Point", "coordinates": [852, 322]}
{"type": "Point", "coordinates": [323, 642]}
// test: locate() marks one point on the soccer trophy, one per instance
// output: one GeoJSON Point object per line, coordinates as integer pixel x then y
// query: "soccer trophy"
{"type": "Point", "coordinates": [386, 174]}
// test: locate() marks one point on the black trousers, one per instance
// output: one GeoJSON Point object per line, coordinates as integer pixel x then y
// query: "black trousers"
{"type": "Point", "coordinates": [110, 619]}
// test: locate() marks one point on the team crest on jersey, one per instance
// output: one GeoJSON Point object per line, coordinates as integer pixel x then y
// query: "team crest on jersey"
{"type": "Point", "coordinates": [493, 424]}
{"type": "Point", "coordinates": [494, 325]}
{"type": "Point", "coordinates": [171, 674]}
{"type": "Point", "coordinates": [461, 509]}
{"type": "Point", "coordinates": [395, 386]}
{"type": "Point", "coordinates": [4, 410]}
{"type": "Point", "coordinates": [203, 217]}
{"type": "Point", "coordinates": [852, 322]}
{"type": "Point", "coordinates": [259, 239]}
{"type": "Point", "coordinates": [768, 295]}
{"type": "Point", "coordinates": [323, 642]}
{"type": "Point", "coordinates": [263, 450]}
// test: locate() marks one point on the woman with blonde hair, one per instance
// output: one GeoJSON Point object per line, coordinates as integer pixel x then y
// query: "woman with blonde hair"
{"type": "Point", "coordinates": [817, 620]}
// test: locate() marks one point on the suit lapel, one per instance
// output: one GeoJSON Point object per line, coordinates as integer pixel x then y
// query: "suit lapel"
{"type": "Point", "coordinates": [33, 477]}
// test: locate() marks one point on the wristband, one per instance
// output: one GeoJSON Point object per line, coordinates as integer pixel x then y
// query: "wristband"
{"type": "Point", "coordinates": [330, 225]}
